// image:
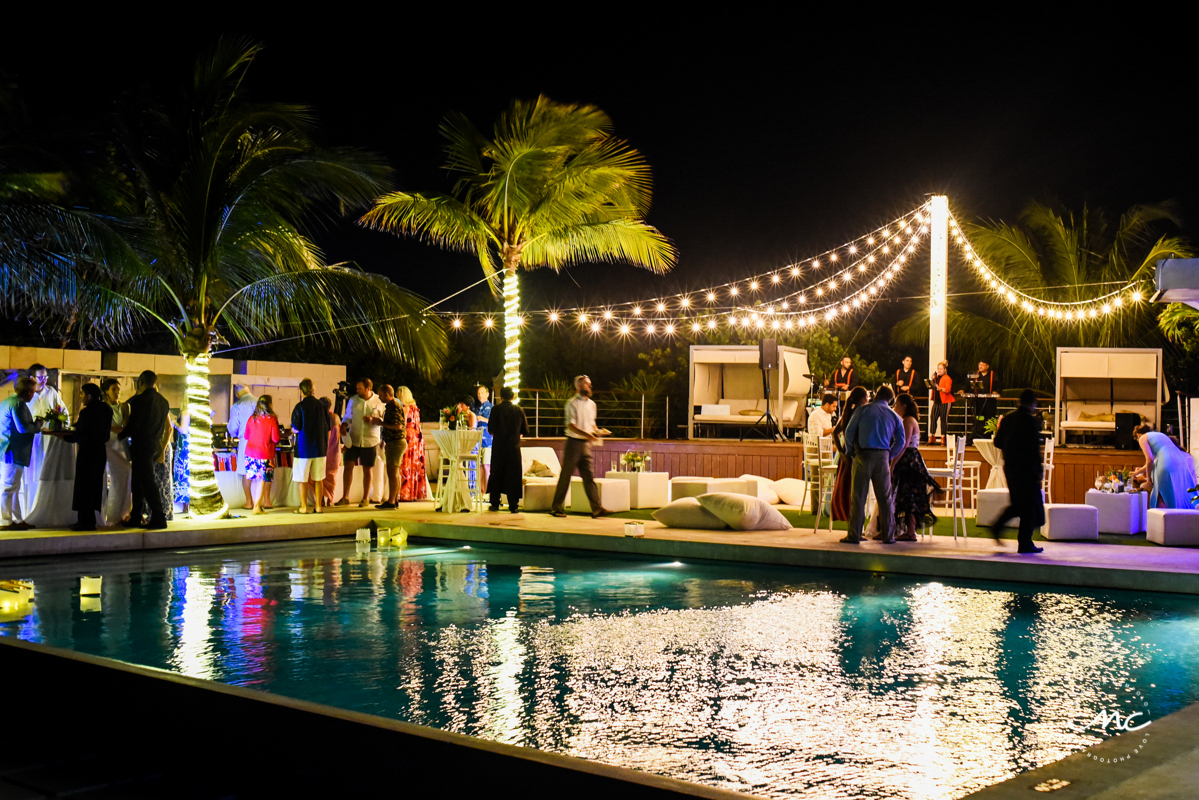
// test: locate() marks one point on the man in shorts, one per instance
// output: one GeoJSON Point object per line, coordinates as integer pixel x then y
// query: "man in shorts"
{"type": "Point", "coordinates": [310, 421]}
{"type": "Point", "coordinates": [364, 415]}
{"type": "Point", "coordinates": [395, 442]}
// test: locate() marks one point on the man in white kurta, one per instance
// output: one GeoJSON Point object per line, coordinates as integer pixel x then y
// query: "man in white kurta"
{"type": "Point", "coordinates": [820, 420]}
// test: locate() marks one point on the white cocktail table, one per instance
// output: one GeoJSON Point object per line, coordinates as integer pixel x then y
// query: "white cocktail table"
{"type": "Point", "coordinates": [993, 456]}
{"type": "Point", "coordinates": [1123, 512]}
{"type": "Point", "coordinates": [646, 489]}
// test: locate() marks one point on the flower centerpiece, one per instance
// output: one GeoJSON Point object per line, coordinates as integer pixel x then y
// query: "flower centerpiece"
{"type": "Point", "coordinates": [633, 461]}
{"type": "Point", "coordinates": [449, 417]}
{"type": "Point", "coordinates": [1116, 481]}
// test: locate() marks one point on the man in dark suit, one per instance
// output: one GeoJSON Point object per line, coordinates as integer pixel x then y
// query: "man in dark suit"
{"type": "Point", "coordinates": [146, 430]}
{"type": "Point", "coordinates": [507, 424]}
{"type": "Point", "coordinates": [1019, 437]}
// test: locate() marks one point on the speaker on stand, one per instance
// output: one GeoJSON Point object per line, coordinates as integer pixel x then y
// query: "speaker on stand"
{"type": "Point", "coordinates": [768, 359]}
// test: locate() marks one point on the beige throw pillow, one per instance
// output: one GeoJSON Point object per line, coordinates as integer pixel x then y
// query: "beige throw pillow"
{"type": "Point", "coordinates": [744, 513]}
{"type": "Point", "coordinates": [766, 490]}
{"type": "Point", "coordinates": [790, 490]}
{"type": "Point", "coordinates": [687, 513]}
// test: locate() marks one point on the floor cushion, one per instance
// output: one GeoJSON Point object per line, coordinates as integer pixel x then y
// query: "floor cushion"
{"type": "Point", "coordinates": [766, 490]}
{"type": "Point", "coordinates": [744, 513]}
{"type": "Point", "coordinates": [688, 513]}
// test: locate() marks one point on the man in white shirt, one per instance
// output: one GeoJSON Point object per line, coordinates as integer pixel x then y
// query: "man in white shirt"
{"type": "Point", "coordinates": [362, 420]}
{"type": "Point", "coordinates": [581, 433]}
{"type": "Point", "coordinates": [239, 414]}
{"type": "Point", "coordinates": [820, 421]}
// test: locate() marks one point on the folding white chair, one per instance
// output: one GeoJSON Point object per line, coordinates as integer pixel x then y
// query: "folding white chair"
{"type": "Point", "coordinates": [1047, 470]}
{"type": "Point", "coordinates": [953, 477]}
{"type": "Point", "coordinates": [827, 480]}
{"type": "Point", "coordinates": [815, 462]}
{"type": "Point", "coordinates": [971, 470]}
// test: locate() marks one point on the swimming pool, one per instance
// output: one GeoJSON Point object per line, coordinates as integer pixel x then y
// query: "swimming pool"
{"type": "Point", "coordinates": [778, 682]}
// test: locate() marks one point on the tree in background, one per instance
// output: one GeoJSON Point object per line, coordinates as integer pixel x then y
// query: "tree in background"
{"type": "Point", "coordinates": [217, 189]}
{"type": "Point", "coordinates": [551, 188]}
{"type": "Point", "coordinates": [1058, 257]}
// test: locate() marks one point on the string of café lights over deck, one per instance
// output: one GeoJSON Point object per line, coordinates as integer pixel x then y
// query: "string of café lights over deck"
{"type": "Point", "coordinates": [834, 284]}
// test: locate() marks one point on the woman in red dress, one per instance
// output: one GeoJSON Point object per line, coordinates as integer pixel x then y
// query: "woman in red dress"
{"type": "Point", "coordinates": [262, 439]}
{"type": "Point", "coordinates": [844, 481]}
{"type": "Point", "coordinates": [413, 483]}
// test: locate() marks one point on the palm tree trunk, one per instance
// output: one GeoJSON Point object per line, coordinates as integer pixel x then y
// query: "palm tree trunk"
{"type": "Point", "coordinates": [512, 332]}
{"type": "Point", "coordinates": [205, 497]}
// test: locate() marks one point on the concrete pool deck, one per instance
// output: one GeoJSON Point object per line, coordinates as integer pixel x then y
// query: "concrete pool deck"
{"type": "Point", "coordinates": [1079, 564]}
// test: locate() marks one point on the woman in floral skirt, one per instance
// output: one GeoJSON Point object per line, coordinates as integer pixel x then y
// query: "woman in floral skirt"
{"type": "Point", "coordinates": [909, 475]}
{"type": "Point", "coordinates": [413, 483]}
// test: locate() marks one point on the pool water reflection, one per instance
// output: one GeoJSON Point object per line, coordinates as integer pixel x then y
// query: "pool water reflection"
{"type": "Point", "coordinates": [776, 682]}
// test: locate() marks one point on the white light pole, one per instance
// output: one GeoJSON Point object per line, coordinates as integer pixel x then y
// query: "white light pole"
{"type": "Point", "coordinates": [938, 281]}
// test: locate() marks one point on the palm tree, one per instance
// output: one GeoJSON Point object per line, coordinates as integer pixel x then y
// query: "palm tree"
{"type": "Point", "coordinates": [1058, 258]}
{"type": "Point", "coordinates": [551, 188]}
{"type": "Point", "coordinates": [219, 188]}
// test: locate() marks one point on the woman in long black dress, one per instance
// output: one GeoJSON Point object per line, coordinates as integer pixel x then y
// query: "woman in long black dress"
{"type": "Point", "coordinates": [844, 480]}
{"type": "Point", "coordinates": [909, 475]}
{"type": "Point", "coordinates": [91, 457]}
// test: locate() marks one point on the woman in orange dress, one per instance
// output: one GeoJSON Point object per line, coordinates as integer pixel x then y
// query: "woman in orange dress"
{"type": "Point", "coordinates": [941, 398]}
{"type": "Point", "coordinates": [413, 483]}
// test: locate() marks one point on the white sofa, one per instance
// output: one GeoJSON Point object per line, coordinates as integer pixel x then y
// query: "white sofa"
{"type": "Point", "coordinates": [539, 492]}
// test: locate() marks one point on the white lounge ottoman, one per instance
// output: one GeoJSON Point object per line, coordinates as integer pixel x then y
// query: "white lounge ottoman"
{"type": "Point", "coordinates": [1173, 527]}
{"type": "Point", "coordinates": [646, 489]}
{"type": "Point", "coordinates": [694, 487]}
{"type": "Point", "coordinates": [614, 495]}
{"type": "Point", "coordinates": [1122, 512]}
{"type": "Point", "coordinates": [1071, 521]}
{"type": "Point", "coordinates": [539, 494]}
{"type": "Point", "coordinates": [991, 503]}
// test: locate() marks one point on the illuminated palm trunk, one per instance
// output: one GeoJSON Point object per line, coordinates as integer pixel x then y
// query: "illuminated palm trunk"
{"type": "Point", "coordinates": [512, 332]}
{"type": "Point", "coordinates": [204, 496]}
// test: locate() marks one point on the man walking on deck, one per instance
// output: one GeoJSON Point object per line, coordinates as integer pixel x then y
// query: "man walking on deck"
{"type": "Point", "coordinates": [581, 433]}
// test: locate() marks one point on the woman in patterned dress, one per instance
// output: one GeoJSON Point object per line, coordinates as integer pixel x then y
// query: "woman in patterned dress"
{"type": "Point", "coordinates": [262, 439]}
{"type": "Point", "coordinates": [181, 466]}
{"type": "Point", "coordinates": [413, 483]}
{"type": "Point", "coordinates": [909, 476]}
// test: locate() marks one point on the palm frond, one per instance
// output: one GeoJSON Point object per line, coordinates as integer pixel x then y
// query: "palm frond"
{"type": "Point", "coordinates": [340, 306]}
{"type": "Point", "coordinates": [437, 218]}
{"type": "Point", "coordinates": [627, 240]}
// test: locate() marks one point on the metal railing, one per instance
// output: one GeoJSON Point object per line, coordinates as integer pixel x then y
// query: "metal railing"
{"type": "Point", "coordinates": [627, 415]}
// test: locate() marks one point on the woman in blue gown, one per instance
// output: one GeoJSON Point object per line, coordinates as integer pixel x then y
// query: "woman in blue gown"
{"type": "Point", "coordinates": [1171, 470]}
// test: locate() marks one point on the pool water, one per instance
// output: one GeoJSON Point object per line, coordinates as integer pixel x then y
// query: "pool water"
{"type": "Point", "coordinates": [777, 682]}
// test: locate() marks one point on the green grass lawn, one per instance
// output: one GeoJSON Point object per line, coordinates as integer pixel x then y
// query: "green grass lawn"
{"type": "Point", "coordinates": [944, 526]}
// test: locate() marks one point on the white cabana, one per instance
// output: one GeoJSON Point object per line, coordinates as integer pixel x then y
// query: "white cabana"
{"type": "Point", "coordinates": [1094, 384]}
{"type": "Point", "coordinates": [726, 387]}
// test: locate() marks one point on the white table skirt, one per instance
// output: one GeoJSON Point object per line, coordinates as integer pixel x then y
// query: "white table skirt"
{"type": "Point", "coordinates": [993, 456]}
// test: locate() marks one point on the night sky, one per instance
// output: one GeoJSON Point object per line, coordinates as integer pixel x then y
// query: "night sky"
{"type": "Point", "coordinates": [772, 135]}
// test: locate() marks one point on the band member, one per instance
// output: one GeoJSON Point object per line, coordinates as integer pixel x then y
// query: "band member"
{"type": "Point", "coordinates": [905, 377]}
{"type": "Point", "coordinates": [845, 378]}
{"type": "Point", "coordinates": [941, 398]}
{"type": "Point", "coordinates": [985, 406]}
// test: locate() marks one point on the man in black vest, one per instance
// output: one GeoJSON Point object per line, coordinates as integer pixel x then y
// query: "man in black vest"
{"type": "Point", "coordinates": [147, 434]}
{"type": "Point", "coordinates": [1019, 437]}
{"type": "Point", "coordinates": [985, 405]}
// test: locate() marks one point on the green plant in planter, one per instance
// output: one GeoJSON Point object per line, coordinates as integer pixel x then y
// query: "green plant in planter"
{"type": "Point", "coordinates": [990, 426]}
